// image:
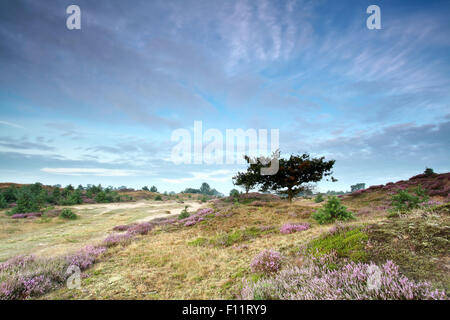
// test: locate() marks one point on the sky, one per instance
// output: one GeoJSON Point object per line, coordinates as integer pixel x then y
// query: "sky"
{"type": "Point", "coordinates": [100, 104]}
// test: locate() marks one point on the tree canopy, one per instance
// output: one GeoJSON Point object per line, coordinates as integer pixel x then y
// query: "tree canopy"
{"type": "Point", "coordinates": [295, 174]}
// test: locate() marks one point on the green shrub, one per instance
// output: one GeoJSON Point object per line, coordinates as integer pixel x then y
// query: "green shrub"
{"type": "Point", "coordinates": [429, 172]}
{"type": "Point", "coordinates": [68, 214]}
{"type": "Point", "coordinates": [318, 198]}
{"type": "Point", "coordinates": [184, 214]}
{"type": "Point", "coordinates": [234, 193]}
{"type": "Point", "coordinates": [158, 198]}
{"type": "Point", "coordinates": [3, 202]}
{"type": "Point", "coordinates": [332, 210]}
{"type": "Point", "coordinates": [26, 202]}
{"type": "Point", "coordinates": [405, 201]}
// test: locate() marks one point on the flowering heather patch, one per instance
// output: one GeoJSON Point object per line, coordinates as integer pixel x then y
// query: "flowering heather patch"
{"type": "Point", "coordinates": [267, 261]}
{"type": "Point", "coordinates": [116, 239]}
{"type": "Point", "coordinates": [122, 227]}
{"type": "Point", "coordinates": [197, 217]}
{"type": "Point", "coordinates": [339, 227]}
{"type": "Point", "coordinates": [294, 227]}
{"type": "Point", "coordinates": [16, 262]}
{"type": "Point", "coordinates": [26, 215]}
{"type": "Point", "coordinates": [141, 228]}
{"type": "Point", "coordinates": [354, 281]}
{"type": "Point", "coordinates": [85, 257]}
{"type": "Point", "coordinates": [432, 203]}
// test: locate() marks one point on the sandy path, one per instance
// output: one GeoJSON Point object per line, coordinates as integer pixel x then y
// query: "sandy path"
{"type": "Point", "coordinates": [192, 207]}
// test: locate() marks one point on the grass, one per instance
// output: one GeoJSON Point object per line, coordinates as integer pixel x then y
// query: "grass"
{"type": "Point", "coordinates": [48, 236]}
{"type": "Point", "coordinates": [211, 259]}
{"type": "Point", "coordinates": [349, 244]}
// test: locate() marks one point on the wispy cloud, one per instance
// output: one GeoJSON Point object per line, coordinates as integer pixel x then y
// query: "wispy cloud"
{"type": "Point", "coordinates": [10, 124]}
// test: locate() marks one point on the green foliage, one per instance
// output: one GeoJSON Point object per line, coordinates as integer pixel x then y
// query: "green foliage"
{"type": "Point", "coordinates": [184, 214]}
{"type": "Point", "coordinates": [318, 198]}
{"type": "Point", "coordinates": [347, 244]}
{"type": "Point", "coordinates": [198, 242]}
{"type": "Point", "coordinates": [293, 175]}
{"type": "Point", "coordinates": [234, 193]}
{"type": "Point", "coordinates": [26, 202]}
{"type": "Point", "coordinates": [332, 210]}
{"type": "Point", "coordinates": [158, 198]}
{"type": "Point", "coordinates": [404, 201]}
{"type": "Point", "coordinates": [429, 172]}
{"type": "Point", "coordinates": [153, 189]}
{"type": "Point", "coordinates": [248, 180]}
{"type": "Point", "coordinates": [145, 188]}
{"type": "Point", "coordinates": [68, 214]}
{"type": "Point", "coordinates": [3, 202]}
{"type": "Point", "coordinates": [10, 194]}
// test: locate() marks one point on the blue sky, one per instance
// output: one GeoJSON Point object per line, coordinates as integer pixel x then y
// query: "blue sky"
{"type": "Point", "coordinates": [99, 105]}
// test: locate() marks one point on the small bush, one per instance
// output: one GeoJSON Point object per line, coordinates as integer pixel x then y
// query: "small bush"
{"type": "Point", "coordinates": [234, 193]}
{"type": "Point", "coordinates": [158, 198]}
{"type": "Point", "coordinates": [268, 261]}
{"type": "Point", "coordinates": [184, 214]}
{"type": "Point", "coordinates": [405, 201]}
{"type": "Point", "coordinates": [68, 214]}
{"type": "Point", "coordinates": [332, 210]}
{"type": "Point", "coordinates": [318, 198]}
{"type": "Point", "coordinates": [428, 172]}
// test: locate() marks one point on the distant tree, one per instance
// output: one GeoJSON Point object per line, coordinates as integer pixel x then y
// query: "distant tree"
{"type": "Point", "coordinates": [10, 194]}
{"type": "Point", "coordinates": [358, 186]}
{"type": "Point", "coordinates": [248, 180]}
{"type": "Point", "coordinates": [26, 202]}
{"type": "Point", "coordinates": [234, 193]}
{"type": "Point", "coordinates": [80, 187]}
{"type": "Point", "coordinates": [294, 174]}
{"type": "Point", "coordinates": [153, 189]}
{"type": "Point", "coordinates": [429, 172]}
{"type": "Point", "coordinates": [145, 188]}
{"type": "Point", "coordinates": [205, 188]}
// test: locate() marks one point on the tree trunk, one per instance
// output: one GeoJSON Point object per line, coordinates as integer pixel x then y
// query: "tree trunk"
{"type": "Point", "coordinates": [290, 195]}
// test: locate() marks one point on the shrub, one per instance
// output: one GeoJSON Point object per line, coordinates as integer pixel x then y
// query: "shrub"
{"type": "Point", "coordinates": [293, 227]}
{"type": "Point", "coordinates": [405, 201]}
{"type": "Point", "coordinates": [3, 202]}
{"type": "Point", "coordinates": [331, 211]}
{"type": "Point", "coordinates": [158, 198]}
{"type": "Point", "coordinates": [234, 193]}
{"type": "Point", "coordinates": [349, 282]}
{"type": "Point", "coordinates": [184, 214]}
{"type": "Point", "coordinates": [318, 198]}
{"type": "Point", "coordinates": [267, 261]}
{"type": "Point", "coordinates": [68, 214]}
{"type": "Point", "coordinates": [428, 172]}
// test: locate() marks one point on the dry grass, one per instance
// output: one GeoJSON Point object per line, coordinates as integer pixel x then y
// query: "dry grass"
{"type": "Point", "coordinates": [54, 236]}
{"type": "Point", "coordinates": [163, 265]}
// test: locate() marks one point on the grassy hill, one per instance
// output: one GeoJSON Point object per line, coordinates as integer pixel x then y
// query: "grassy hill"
{"type": "Point", "coordinates": [210, 254]}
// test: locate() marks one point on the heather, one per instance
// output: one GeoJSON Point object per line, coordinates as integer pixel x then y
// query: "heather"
{"type": "Point", "coordinates": [268, 261]}
{"type": "Point", "coordinates": [24, 277]}
{"type": "Point", "coordinates": [294, 227]}
{"type": "Point", "coordinates": [352, 281]}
